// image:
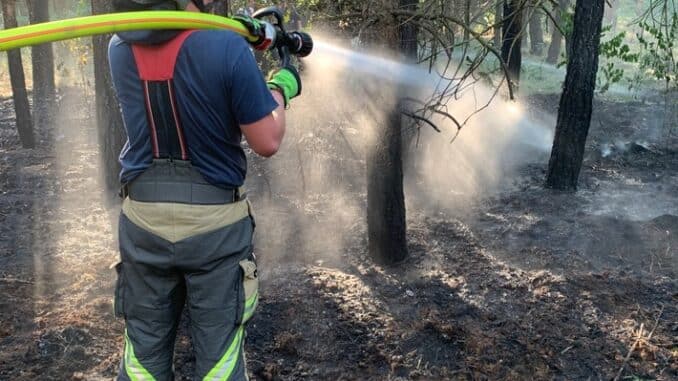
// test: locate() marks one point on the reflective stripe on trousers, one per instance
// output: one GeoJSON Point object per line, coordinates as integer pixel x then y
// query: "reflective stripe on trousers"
{"type": "Point", "coordinates": [135, 371]}
{"type": "Point", "coordinates": [226, 365]}
{"type": "Point", "coordinates": [155, 278]}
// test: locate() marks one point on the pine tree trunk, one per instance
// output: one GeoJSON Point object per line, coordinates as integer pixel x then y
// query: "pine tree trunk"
{"type": "Point", "coordinates": [576, 102]}
{"type": "Point", "coordinates": [109, 120]}
{"type": "Point", "coordinates": [556, 37]}
{"type": "Point", "coordinates": [512, 38]}
{"type": "Point", "coordinates": [44, 92]}
{"type": "Point", "coordinates": [387, 240]}
{"type": "Point", "coordinates": [22, 108]}
{"type": "Point", "coordinates": [536, 31]}
{"type": "Point", "coordinates": [386, 224]}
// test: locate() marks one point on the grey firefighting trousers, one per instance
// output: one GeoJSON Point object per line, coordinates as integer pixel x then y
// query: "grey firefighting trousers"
{"type": "Point", "coordinates": [197, 255]}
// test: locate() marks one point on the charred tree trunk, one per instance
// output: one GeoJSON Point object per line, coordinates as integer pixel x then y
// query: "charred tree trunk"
{"type": "Point", "coordinates": [557, 37]}
{"type": "Point", "coordinates": [109, 120]}
{"type": "Point", "coordinates": [512, 36]}
{"type": "Point", "coordinates": [22, 108]}
{"type": "Point", "coordinates": [576, 102]}
{"type": "Point", "coordinates": [536, 31]}
{"type": "Point", "coordinates": [386, 225]}
{"type": "Point", "coordinates": [44, 92]}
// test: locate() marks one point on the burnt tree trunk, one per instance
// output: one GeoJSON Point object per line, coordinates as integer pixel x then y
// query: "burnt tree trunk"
{"type": "Point", "coordinates": [22, 108]}
{"type": "Point", "coordinates": [512, 36]}
{"type": "Point", "coordinates": [576, 102]}
{"type": "Point", "coordinates": [557, 37]}
{"type": "Point", "coordinates": [110, 128]}
{"type": "Point", "coordinates": [44, 91]}
{"type": "Point", "coordinates": [386, 225]}
{"type": "Point", "coordinates": [536, 31]}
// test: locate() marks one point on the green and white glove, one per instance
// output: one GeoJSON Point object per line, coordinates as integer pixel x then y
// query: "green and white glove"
{"type": "Point", "coordinates": [287, 81]}
{"type": "Point", "coordinates": [265, 32]}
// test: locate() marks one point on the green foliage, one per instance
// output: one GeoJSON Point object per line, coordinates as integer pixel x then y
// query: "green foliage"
{"type": "Point", "coordinates": [657, 58]}
{"type": "Point", "coordinates": [652, 58]}
{"type": "Point", "coordinates": [611, 50]}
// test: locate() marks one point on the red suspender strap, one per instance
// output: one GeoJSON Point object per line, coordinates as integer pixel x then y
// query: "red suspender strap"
{"type": "Point", "coordinates": [156, 69]}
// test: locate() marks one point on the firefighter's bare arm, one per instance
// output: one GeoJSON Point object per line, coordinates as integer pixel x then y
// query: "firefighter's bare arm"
{"type": "Point", "coordinates": [265, 135]}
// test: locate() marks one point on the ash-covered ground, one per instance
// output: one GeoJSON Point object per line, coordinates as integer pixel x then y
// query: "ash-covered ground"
{"type": "Point", "coordinates": [523, 283]}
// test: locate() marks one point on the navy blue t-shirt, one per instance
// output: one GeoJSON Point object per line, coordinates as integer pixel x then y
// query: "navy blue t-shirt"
{"type": "Point", "coordinates": [218, 87]}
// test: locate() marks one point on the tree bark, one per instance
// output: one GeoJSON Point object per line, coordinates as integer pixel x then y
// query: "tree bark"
{"type": "Point", "coordinates": [557, 37]}
{"type": "Point", "coordinates": [22, 108]}
{"type": "Point", "coordinates": [110, 127]}
{"type": "Point", "coordinates": [512, 36]}
{"type": "Point", "coordinates": [536, 31]}
{"type": "Point", "coordinates": [44, 91]}
{"type": "Point", "coordinates": [576, 102]}
{"type": "Point", "coordinates": [387, 239]}
{"type": "Point", "coordinates": [386, 224]}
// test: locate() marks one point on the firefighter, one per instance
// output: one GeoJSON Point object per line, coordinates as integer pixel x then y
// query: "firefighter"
{"type": "Point", "coordinates": [185, 231]}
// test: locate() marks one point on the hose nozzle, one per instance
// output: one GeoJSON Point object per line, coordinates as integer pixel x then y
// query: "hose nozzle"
{"type": "Point", "coordinates": [299, 43]}
{"type": "Point", "coordinates": [295, 43]}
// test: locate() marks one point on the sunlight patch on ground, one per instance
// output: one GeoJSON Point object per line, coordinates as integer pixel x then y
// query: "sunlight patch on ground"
{"type": "Point", "coordinates": [351, 294]}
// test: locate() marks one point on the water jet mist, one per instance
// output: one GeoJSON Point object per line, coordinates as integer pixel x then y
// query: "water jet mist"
{"type": "Point", "coordinates": [319, 174]}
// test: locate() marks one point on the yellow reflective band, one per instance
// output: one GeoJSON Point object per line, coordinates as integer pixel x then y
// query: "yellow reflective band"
{"type": "Point", "coordinates": [226, 365]}
{"type": "Point", "coordinates": [250, 306]}
{"type": "Point", "coordinates": [135, 371]}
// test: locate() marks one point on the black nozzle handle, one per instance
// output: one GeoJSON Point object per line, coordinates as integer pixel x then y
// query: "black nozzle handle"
{"type": "Point", "coordinates": [270, 11]}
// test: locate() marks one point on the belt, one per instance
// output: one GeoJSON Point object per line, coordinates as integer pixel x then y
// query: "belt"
{"type": "Point", "coordinates": [177, 183]}
{"type": "Point", "coordinates": [182, 193]}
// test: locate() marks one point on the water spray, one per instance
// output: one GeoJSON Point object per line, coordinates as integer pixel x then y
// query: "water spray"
{"type": "Point", "coordinates": [286, 43]}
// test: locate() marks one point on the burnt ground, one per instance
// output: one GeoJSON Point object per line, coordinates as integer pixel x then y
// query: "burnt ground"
{"type": "Point", "coordinates": [530, 284]}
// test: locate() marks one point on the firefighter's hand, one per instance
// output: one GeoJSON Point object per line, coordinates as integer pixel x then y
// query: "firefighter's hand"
{"type": "Point", "coordinates": [263, 32]}
{"type": "Point", "coordinates": [287, 81]}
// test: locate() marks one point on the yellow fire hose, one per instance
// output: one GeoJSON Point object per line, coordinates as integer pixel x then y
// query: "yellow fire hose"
{"type": "Point", "coordinates": [113, 23]}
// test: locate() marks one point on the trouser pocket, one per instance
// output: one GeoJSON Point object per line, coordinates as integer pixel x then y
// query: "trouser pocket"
{"type": "Point", "coordinates": [250, 211]}
{"type": "Point", "coordinates": [248, 290]}
{"type": "Point", "coordinates": [119, 298]}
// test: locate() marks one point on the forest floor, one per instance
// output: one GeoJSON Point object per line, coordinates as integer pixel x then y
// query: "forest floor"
{"type": "Point", "coordinates": [528, 283]}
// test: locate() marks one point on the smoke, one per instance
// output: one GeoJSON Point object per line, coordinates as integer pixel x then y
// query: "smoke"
{"type": "Point", "coordinates": [315, 188]}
